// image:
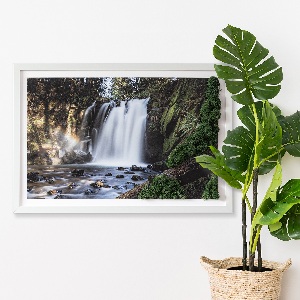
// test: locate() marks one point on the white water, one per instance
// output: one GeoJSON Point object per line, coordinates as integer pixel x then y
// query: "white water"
{"type": "Point", "coordinates": [120, 140]}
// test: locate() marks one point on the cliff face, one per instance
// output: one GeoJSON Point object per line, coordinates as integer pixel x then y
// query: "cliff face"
{"type": "Point", "coordinates": [173, 113]}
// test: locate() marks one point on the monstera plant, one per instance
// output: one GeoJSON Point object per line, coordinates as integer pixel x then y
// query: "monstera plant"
{"type": "Point", "coordinates": [256, 147]}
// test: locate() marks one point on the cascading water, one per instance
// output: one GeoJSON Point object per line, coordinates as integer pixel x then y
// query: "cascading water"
{"type": "Point", "coordinates": [118, 139]}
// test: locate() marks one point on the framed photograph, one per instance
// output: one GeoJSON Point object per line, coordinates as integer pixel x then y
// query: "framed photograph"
{"type": "Point", "coordinates": [118, 138]}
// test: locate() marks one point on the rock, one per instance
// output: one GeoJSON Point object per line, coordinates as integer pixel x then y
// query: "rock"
{"type": "Point", "coordinates": [108, 174]}
{"type": "Point", "coordinates": [76, 157]}
{"type": "Point", "coordinates": [136, 178]}
{"type": "Point", "coordinates": [72, 185]}
{"type": "Point", "coordinates": [50, 179]}
{"type": "Point", "coordinates": [159, 166]}
{"type": "Point", "coordinates": [106, 186]}
{"type": "Point", "coordinates": [29, 188]}
{"type": "Point", "coordinates": [129, 172]}
{"type": "Point", "coordinates": [133, 194]}
{"type": "Point", "coordinates": [59, 196]}
{"type": "Point", "coordinates": [120, 168]}
{"type": "Point", "coordinates": [54, 192]}
{"type": "Point", "coordinates": [136, 168]}
{"type": "Point", "coordinates": [188, 172]}
{"type": "Point", "coordinates": [120, 176]}
{"type": "Point", "coordinates": [39, 157]}
{"type": "Point", "coordinates": [34, 177]}
{"type": "Point", "coordinates": [154, 138]}
{"type": "Point", "coordinates": [77, 172]}
{"type": "Point", "coordinates": [97, 184]}
{"type": "Point", "coordinates": [90, 191]}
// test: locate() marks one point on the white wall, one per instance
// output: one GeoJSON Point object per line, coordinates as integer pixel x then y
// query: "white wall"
{"type": "Point", "coordinates": [130, 257]}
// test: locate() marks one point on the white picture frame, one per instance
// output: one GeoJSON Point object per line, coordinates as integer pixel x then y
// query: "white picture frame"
{"type": "Point", "coordinates": [23, 205]}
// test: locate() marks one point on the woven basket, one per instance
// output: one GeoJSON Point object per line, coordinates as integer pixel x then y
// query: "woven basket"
{"type": "Point", "coordinates": [235, 284]}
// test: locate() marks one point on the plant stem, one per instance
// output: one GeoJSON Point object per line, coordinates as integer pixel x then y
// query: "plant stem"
{"type": "Point", "coordinates": [244, 234]}
{"type": "Point", "coordinates": [259, 259]}
{"type": "Point", "coordinates": [254, 207]}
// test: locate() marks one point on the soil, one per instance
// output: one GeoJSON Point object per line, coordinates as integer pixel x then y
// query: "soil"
{"type": "Point", "coordinates": [240, 268]}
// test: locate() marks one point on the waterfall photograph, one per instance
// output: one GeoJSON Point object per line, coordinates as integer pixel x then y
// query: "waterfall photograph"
{"type": "Point", "coordinates": [121, 137]}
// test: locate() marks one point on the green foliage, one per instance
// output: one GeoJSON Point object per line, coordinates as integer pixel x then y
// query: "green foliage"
{"type": "Point", "coordinates": [291, 133]}
{"type": "Point", "coordinates": [211, 188]}
{"type": "Point", "coordinates": [162, 187]}
{"type": "Point", "coordinates": [241, 146]}
{"type": "Point", "coordinates": [218, 167]}
{"type": "Point", "coordinates": [58, 103]}
{"type": "Point", "coordinates": [206, 133]}
{"type": "Point", "coordinates": [288, 228]}
{"type": "Point", "coordinates": [250, 72]}
{"type": "Point", "coordinates": [257, 146]}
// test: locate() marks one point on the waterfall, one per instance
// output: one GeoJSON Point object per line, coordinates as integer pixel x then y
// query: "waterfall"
{"type": "Point", "coordinates": [118, 136]}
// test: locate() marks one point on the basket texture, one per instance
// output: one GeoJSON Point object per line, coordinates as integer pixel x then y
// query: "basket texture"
{"type": "Point", "coordinates": [236, 284]}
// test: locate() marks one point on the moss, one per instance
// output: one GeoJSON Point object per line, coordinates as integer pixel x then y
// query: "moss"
{"type": "Point", "coordinates": [194, 190]}
{"type": "Point", "coordinates": [167, 117]}
{"type": "Point", "coordinates": [172, 140]}
{"type": "Point", "coordinates": [162, 187]}
{"type": "Point", "coordinates": [206, 133]}
{"type": "Point", "coordinates": [211, 189]}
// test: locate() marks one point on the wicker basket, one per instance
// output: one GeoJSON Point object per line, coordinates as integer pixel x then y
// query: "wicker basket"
{"type": "Point", "coordinates": [236, 284]}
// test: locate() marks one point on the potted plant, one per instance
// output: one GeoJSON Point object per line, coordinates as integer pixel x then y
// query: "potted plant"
{"type": "Point", "coordinates": [250, 151]}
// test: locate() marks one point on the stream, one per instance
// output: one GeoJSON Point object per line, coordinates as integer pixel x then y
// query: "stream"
{"type": "Point", "coordinates": [85, 181]}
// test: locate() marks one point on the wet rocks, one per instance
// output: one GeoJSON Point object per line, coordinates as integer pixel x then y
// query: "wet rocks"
{"type": "Point", "coordinates": [60, 196]}
{"type": "Point", "coordinates": [34, 177]}
{"type": "Point", "coordinates": [97, 184]}
{"type": "Point", "coordinates": [129, 172]}
{"type": "Point", "coordinates": [120, 176]}
{"type": "Point", "coordinates": [120, 168]}
{"type": "Point", "coordinates": [159, 166]}
{"type": "Point", "coordinates": [136, 168]}
{"type": "Point", "coordinates": [77, 172]}
{"type": "Point", "coordinates": [76, 157]}
{"type": "Point", "coordinates": [136, 178]}
{"type": "Point", "coordinates": [72, 185]}
{"type": "Point", "coordinates": [108, 174]}
{"type": "Point", "coordinates": [90, 191]}
{"type": "Point", "coordinates": [54, 192]}
{"type": "Point", "coordinates": [50, 179]}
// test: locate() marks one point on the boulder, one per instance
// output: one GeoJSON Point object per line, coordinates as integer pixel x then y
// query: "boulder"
{"type": "Point", "coordinates": [136, 178]}
{"type": "Point", "coordinates": [77, 172]}
{"type": "Point", "coordinates": [97, 184]}
{"type": "Point", "coordinates": [76, 157]}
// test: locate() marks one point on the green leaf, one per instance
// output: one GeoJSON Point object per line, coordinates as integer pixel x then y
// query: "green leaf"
{"type": "Point", "coordinates": [291, 133]}
{"type": "Point", "coordinates": [289, 225]}
{"type": "Point", "coordinates": [270, 139]}
{"type": "Point", "coordinates": [238, 148]}
{"type": "Point", "coordinates": [271, 212]}
{"type": "Point", "coordinates": [218, 167]}
{"type": "Point", "coordinates": [266, 208]}
{"type": "Point", "coordinates": [249, 72]}
{"type": "Point", "coordinates": [240, 143]}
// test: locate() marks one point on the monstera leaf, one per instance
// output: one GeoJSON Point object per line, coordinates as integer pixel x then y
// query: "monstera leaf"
{"type": "Point", "coordinates": [271, 210]}
{"type": "Point", "coordinates": [240, 143]}
{"type": "Point", "coordinates": [291, 133]}
{"type": "Point", "coordinates": [218, 167]}
{"type": "Point", "coordinates": [288, 228]}
{"type": "Point", "coordinates": [248, 71]}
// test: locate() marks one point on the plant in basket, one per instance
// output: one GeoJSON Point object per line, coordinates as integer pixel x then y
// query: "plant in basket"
{"type": "Point", "coordinates": [250, 151]}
